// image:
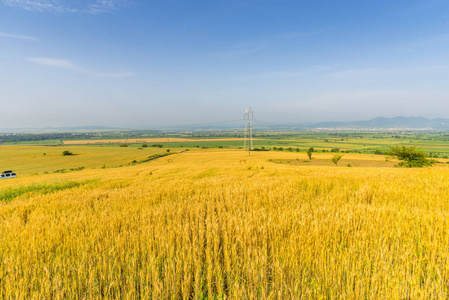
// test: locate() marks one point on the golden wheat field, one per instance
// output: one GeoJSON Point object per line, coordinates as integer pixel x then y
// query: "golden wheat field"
{"type": "Point", "coordinates": [151, 140]}
{"type": "Point", "coordinates": [217, 224]}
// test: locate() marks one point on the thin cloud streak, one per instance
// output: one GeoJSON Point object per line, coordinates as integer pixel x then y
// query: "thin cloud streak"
{"type": "Point", "coordinates": [68, 6]}
{"type": "Point", "coordinates": [18, 36]}
{"type": "Point", "coordinates": [101, 6]}
{"type": "Point", "coordinates": [58, 63]}
{"type": "Point", "coordinates": [68, 65]}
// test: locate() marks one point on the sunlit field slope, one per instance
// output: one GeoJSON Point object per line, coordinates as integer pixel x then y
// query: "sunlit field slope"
{"type": "Point", "coordinates": [27, 160]}
{"type": "Point", "coordinates": [219, 224]}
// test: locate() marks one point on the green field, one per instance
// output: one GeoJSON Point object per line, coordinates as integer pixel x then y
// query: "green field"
{"type": "Point", "coordinates": [43, 158]}
{"type": "Point", "coordinates": [43, 142]}
{"type": "Point", "coordinates": [437, 144]}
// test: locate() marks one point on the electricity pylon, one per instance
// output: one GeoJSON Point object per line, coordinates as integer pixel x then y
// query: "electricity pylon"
{"type": "Point", "coordinates": [248, 117]}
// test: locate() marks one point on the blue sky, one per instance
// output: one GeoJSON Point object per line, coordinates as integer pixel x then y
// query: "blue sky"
{"type": "Point", "coordinates": [150, 63]}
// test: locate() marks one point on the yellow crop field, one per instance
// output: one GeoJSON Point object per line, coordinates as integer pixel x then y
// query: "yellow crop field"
{"type": "Point", "coordinates": [28, 160]}
{"type": "Point", "coordinates": [149, 140]}
{"type": "Point", "coordinates": [217, 224]}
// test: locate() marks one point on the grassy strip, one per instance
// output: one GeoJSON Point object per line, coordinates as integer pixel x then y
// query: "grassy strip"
{"type": "Point", "coordinates": [69, 170]}
{"type": "Point", "coordinates": [43, 188]}
{"type": "Point", "coordinates": [153, 157]}
{"type": "Point", "coordinates": [156, 156]}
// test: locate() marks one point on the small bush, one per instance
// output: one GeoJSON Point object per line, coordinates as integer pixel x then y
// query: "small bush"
{"type": "Point", "coordinates": [336, 158]}
{"type": "Point", "coordinates": [261, 149]}
{"type": "Point", "coordinates": [66, 153]}
{"type": "Point", "coordinates": [378, 152]}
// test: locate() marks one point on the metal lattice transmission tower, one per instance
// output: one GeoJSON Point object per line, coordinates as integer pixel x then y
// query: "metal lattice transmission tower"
{"type": "Point", "coordinates": [248, 142]}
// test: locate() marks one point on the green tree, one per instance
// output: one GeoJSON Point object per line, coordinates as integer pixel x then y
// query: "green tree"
{"type": "Point", "coordinates": [410, 157]}
{"type": "Point", "coordinates": [309, 153]}
{"type": "Point", "coordinates": [336, 158]}
{"type": "Point", "coordinates": [66, 153]}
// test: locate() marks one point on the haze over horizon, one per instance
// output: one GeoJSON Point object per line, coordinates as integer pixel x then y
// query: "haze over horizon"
{"type": "Point", "coordinates": [138, 63]}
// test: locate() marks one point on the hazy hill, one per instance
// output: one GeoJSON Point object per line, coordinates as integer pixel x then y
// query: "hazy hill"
{"type": "Point", "coordinates": [384, 123]}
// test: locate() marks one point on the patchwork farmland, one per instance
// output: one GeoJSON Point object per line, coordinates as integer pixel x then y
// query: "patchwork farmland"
{"type": "Point", "coordinates": [217, 223]}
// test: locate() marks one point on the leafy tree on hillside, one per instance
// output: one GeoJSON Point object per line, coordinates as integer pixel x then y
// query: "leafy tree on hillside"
{"type": "Point", "coordinates": [410, 157]}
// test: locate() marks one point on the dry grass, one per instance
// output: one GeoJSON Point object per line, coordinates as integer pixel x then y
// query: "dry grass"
{"type": "Point", "coordinates": [352, 160]}
{"type": "Point", "coordinates": [218, 224]}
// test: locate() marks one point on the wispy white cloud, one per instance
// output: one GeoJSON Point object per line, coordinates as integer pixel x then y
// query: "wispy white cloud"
{"type": "Point", "coordinates": [58, 63]}
{"type": "Point", "coordinates": [68, 65]}
{"type": "Point", "coordinates": [18, 36]}
{"type": "Point", "coordinates": [68, 6]}
{"type": "Point", "coordinates": [100, 6]}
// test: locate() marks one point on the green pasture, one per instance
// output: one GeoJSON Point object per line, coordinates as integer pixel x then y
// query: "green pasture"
{"type": "Point", "coordinates": [43, 142]}
{"type": "Point", "coordinates": [360, 142]}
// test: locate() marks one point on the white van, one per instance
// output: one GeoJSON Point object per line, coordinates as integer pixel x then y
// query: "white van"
{"type": "Point", "coordinates": [8, 174]}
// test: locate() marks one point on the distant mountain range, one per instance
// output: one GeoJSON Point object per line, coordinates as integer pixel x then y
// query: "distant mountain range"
{"type": "Point", "coordinates": [388, 123]}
